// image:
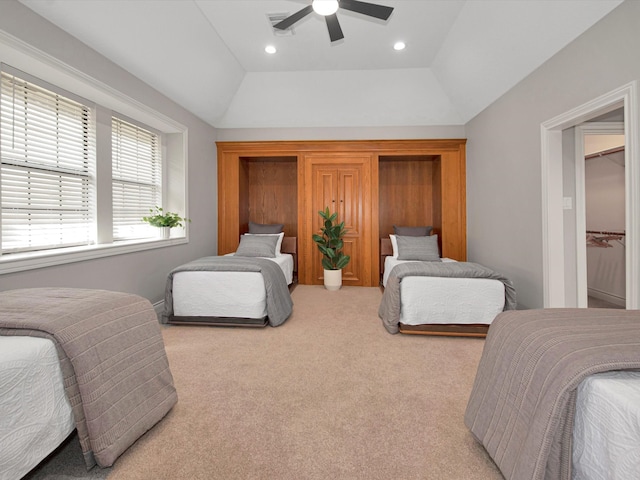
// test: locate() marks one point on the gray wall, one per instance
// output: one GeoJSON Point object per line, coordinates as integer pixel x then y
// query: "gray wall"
{"type": "Point", "coordinates": [141, 273]}
{"type": "Point", "coordinates": [504, 203]}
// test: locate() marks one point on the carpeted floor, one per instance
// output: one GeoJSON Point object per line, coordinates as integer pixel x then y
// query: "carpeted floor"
{"type": "Point", "coordinates": [327, 395]}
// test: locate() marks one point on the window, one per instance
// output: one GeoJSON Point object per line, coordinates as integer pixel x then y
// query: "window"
{"type": "Point", "coordinates": [76, 178]}
{"type": "Point", "coordinates": [137, 178]}
{"type": "Point", "coordinates": [47, 168]}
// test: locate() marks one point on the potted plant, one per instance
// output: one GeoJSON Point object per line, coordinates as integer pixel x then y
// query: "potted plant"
{"type": "Point", "coordinates": [164, 220]}
{"type": "Point", "coordinates": [330, 244]}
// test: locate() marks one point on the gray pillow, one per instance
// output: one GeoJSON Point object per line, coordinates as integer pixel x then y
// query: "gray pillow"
{"type": "Point", "coordinates": [257, 246]}
{"type": "Point", "coordinates": [412, 231]}
{"type": "Point", "coordinates": [424, 249]}
{"type": "Point", "coordinates": [265, 227]}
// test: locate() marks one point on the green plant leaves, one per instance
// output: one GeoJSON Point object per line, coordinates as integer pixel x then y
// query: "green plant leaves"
{"type": "Point", "coordinates": [160, 218]}
{"type": "Point", "coordinates": [330, 242]}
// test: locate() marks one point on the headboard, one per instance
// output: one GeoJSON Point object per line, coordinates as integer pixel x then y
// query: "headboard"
{"type": "Point", "coordinates": [290, 245]}
{"type": "Point", "coordinates": [386, 250]}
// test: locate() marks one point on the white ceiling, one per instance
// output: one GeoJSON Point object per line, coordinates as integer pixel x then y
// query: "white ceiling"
{"type": "Point", "coordinates": [208, 56]}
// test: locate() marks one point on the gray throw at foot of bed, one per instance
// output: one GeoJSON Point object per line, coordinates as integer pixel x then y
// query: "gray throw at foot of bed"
{"type": "Point", "coordinates": [522, 405]}
{"type": "Point", "coordinates": [389, 311]}
{"type": "Point", "coordinates": [116, 372]}
{"type": "Point", "coordinates": [278, 297]}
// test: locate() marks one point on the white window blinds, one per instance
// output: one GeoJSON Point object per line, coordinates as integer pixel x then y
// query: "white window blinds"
{"type": "Point", "coordinates": [137, 178]}
{"type": "Point", "coordinates": [47, 157]}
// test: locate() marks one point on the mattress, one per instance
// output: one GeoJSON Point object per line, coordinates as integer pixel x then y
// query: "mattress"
{"type": "Point", "coordinates": [35, 414]}
{"type": "Point", "coordinates": [439, 300]}
{"type": "Point", "coordinates": [225, 294]}
{"type": "Point", "coordinates": [606, 434]}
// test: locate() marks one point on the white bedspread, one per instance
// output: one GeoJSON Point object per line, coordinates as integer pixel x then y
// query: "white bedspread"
{"type": "Point", "coordinates": [224, 294]}
{"type": "Point", "coordinates": [35, 414]}
{"type": "Point", "coordinates": [428, 300]}
{"type": "Point", "coordinates": [606, 434]}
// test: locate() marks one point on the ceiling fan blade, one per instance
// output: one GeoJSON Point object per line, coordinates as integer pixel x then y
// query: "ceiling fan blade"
{"type": "Point", "coordinates": [335, 32]}
{"type": "Point", "coordinates": [372, 10]}
{"type": "Point", "coordinates": [291, 19]}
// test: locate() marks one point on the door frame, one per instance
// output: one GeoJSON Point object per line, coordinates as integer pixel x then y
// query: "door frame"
{"type": "Point", "coordinates": [595, 128]}
{"type": "Point", "coordinates": [553, 258]}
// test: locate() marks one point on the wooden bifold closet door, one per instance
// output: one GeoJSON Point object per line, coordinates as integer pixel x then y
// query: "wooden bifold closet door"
{"type": "Point", "coordinates": [342, 184]}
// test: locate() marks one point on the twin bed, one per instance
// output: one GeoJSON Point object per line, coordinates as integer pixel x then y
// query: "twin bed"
{"type": "Point", "coordinates": [249, 288]}
{"type": "Point", "coordinates": [557, 394]}
{"type": "Point", "coordinates": [35, 413]}
{"type": "Point", "coordinates": [78, 359]}
{"type": "Point", "coordinates": [426, 294]}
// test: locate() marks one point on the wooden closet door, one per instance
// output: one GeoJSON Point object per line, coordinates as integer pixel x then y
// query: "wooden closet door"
{"type": "Point", "coordinates": [340, 186]}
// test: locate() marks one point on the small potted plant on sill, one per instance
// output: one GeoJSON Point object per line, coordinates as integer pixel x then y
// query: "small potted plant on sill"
{"type": "Point", "coordinates": [164, 220]}
{"type": "Point", "coordinates": [330, 244]}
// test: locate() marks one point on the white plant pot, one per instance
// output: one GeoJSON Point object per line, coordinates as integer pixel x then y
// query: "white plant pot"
{"type": "Point", "coordinates": [165, 232]}
{"type": "Point", "coordinates": [333, 279]}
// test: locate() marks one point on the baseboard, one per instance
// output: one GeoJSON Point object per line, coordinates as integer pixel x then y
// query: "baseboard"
{"type": "Point", "coordinates": [607, 297]}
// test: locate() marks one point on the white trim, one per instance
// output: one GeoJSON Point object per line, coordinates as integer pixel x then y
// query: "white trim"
{"type": "Point", "coordinates": [552, 213]}
{"type": "Point", "coordinates": [632, 196]}
{"type": "Point", "coordinates": [47, 258]}
{"type": "Point", "coordinates": [552, 220]}
{"type": "Point", "coordinates": [591, 128]}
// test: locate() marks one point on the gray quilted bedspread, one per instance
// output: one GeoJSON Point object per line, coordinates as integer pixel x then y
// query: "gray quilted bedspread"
{"type": "Point", "coordinates": [522, 405]}
{"type": "Point", "coordinates": [116, 372]}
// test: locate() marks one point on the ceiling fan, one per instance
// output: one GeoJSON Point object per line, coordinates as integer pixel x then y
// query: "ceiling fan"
{"type": "Point", "coordinates": [328, 9]}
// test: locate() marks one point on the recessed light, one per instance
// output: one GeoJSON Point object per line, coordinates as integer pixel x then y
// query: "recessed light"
{"type": "Point", "coordinates": [399, 46]}
{"type": "Point", "coordinates": [270, 49]}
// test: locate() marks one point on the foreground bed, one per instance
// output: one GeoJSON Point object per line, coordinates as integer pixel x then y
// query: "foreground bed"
{"type": "Point", "coordinates": [440, 297]}
{"type": "Point", "coordinates": [523, 403]}
{"type": "Point", "coordinates": [35, 413]}
{"type": "Point", "coordinates": [115, 371]}
{"type": "Point", "coordinates": [250, 291]}
{"type": "Point", "coordinates": [606, 434]}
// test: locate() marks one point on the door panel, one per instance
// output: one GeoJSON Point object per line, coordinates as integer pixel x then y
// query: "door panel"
{"type": "Point", "coordinates": [324, 191]}
{"type": "Point", "coordinates": [351, 274]}
{"type": "Point", "coordinates": [339, 187]}
{"type": "Point", "coordinates": [350, 199]}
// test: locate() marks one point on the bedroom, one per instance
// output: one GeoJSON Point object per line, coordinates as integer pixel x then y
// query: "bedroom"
{"type": "Point", "coordinates": [504, 186]}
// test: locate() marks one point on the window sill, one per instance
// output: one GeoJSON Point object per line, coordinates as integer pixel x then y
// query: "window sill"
{"type": "Point", "coordinates": [18, 262]}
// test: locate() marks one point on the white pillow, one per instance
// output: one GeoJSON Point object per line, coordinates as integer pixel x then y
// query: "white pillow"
{"type": "Point", "coordinates": [394, 245]}
{"type": "Point", "coordinates": [278, 244]}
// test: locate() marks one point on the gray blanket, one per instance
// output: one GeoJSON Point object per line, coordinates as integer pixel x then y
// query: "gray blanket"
{"type": "Point", "coordinates": [389, 310]}
{"type": "Point", "coordinates": [112, 356]}
{"type": "Point", "coordinates": [522, 405]}
{"type": "Point", "coordinates": [279, 303]}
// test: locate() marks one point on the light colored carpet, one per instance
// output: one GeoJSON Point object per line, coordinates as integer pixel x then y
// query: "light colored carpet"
{"type": "Point", "coordinates": [327, 395]}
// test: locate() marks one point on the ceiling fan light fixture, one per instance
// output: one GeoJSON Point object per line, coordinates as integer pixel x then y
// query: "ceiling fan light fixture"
{"type": "Point", "coordinates": [325, 7]}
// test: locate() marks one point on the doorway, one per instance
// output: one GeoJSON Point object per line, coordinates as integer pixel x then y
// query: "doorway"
{"type": "Point", "coordinates": [557, 279]}
{"type": "Point", "coordinates": [600, 213]}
